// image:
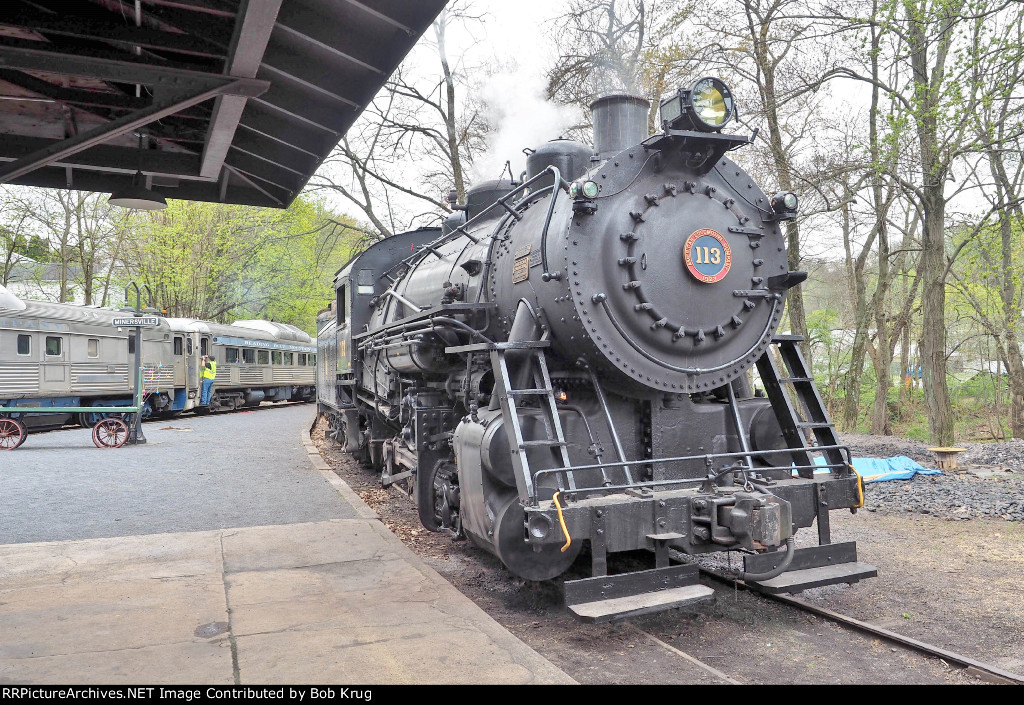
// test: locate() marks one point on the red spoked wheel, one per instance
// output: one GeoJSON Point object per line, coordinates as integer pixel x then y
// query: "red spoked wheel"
{"type": "Point", "coordinates": [110, 433]}
{"type": "Point", "coordinates": [12, 434]}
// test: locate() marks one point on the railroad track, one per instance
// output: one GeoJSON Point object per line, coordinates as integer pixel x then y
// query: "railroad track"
{"type": "Point", "coordinates": [539, 636]}
{"type": "Point", "coordinates": [970, 665]}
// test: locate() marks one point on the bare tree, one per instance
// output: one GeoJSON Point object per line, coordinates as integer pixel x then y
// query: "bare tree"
{"type": "Point", "coordinates": [933, 52]}
{"type": "Point", "coordinates": [989, 276]}
{"type": "Point", "coordinates": [418, 120]}
{"type": "Point", "coordinates": [633, 46]}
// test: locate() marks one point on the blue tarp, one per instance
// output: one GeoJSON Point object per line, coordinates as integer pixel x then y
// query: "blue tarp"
{"type": "Point", "coordinates": [899, 467]}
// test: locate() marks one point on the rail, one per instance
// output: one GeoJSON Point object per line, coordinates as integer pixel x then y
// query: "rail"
{"type": "Point", "coordinates": [1001, 675]}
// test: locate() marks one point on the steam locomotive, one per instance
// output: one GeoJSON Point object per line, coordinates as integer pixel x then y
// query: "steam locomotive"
{"type": "Point", "coordinates": [567, 363]}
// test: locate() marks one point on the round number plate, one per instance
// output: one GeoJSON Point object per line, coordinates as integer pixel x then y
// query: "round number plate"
{"type": "Point", "coordinates": [707, 256]}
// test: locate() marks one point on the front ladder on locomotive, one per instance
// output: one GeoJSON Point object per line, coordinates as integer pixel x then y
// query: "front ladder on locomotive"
{"type": "Point", "coordinates": [809, 433]}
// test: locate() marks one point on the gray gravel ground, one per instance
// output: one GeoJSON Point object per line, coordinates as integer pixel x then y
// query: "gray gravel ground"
{"type": "Point", "coordinates": [989, 485]}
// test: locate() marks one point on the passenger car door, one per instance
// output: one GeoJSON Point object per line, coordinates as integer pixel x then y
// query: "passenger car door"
{"type": "Point", "coordinates": [54, 350]}
{"type": "Point", "coordinates": [192, 365]}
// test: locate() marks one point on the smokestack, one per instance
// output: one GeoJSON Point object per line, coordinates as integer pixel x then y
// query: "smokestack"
{"type": "Point", "coordinates": [620, 121]}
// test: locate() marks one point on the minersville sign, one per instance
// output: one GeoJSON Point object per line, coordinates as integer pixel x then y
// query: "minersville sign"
{"type": "Point", "coordinates": [144, 321]}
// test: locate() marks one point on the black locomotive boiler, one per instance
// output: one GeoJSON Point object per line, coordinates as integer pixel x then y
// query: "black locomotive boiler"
{"type": "Point", "coordinates": [566, 363]}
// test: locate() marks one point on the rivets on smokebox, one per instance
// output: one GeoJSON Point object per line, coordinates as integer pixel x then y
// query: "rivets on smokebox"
{"type": "Point", "coordinates": [736, 321]}
{"type": "Point", "coordinates": [719, 333]}
{"type": "Point", "coordinates": [628, 237]}
{"type": "Point", "coordinates": [756, 262]}
{"type": "Point", "coordinates": [670, 189]}
{"type": "Point", "coordinates": [660, 323]}
{"type": "Point", "coordinates": [709, 191]}
{"type": "Point", "coordinates": [698, 336]}
{"type": "Point", "coordinates": [643, 307]}
{"type": "Point", "coordinates": [624, 261]}
{"type": "Point", "coordinates": [631, 285]}
{"type": "Point", "coordinates": [651, 198]}
{"type": "Point", "coordinates": [637, 216]}
{"type": "Point", "coordinates": [748, 304]}
{"type": "Point", "coordinates": [756, 280]}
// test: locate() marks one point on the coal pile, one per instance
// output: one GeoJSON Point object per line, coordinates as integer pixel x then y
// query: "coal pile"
{"type": "Point", "coordinates": [1007, 454]}
{"type": "Point", "coordinates": [951, 496]}
{"type": "Point", "coordinates": [957, 495]}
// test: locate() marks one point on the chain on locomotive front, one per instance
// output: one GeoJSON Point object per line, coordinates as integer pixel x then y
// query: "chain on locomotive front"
{"type": "Point", "coordinates": [567, 363]}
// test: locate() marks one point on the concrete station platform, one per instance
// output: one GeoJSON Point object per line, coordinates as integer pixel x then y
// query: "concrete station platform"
{"type": "Point", "coordinates": [322, 593]}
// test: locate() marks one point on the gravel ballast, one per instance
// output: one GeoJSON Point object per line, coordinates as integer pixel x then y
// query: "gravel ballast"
{"type": "Point", "coordinates": [989, 484]}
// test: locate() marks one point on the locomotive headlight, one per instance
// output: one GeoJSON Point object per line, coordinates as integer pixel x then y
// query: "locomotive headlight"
{"type": "Point", "coordinates": [590, 189]}
{"type": "Point", "coordinates": [712, 103]}
{"type": "Point", "coordinates": [785, 204]}
{"type": "Point", "coordinates": [706, 106]}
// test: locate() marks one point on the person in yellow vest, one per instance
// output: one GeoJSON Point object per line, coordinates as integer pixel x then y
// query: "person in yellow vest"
{"type": "Point", "coordinates": [209, 374]}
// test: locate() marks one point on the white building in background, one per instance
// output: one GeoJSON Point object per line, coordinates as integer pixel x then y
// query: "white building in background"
{"type": "Point", "coordinates": [40, 281]}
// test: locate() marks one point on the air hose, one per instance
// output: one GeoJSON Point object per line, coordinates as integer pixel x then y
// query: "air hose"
{"type": "Point", "coordinates": [778, 570]}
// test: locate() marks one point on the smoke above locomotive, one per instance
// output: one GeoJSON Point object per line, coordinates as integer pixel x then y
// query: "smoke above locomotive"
{"type": "Point", "coordinates": [565, 362]}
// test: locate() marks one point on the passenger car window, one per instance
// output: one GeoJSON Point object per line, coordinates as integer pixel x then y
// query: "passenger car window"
{"type": "Point", "coordinates": [177, 345]}
{"type": "Point", "coordinates": [312, 360]}
{"type": "Point", "coordinates": [302, 359]}
{"type": "Point", "coordinates": [289, 358]}
{"type": "Point", "coordinates": [276, 357]}
{"type": "Point", "coordinates": [53, 345]}
{"type": "Point", "coordinates": [231, 355]}
{"type": "Point", "coordinates": [189, 346]}
{"type": "Point", "coordinates": [249, 355]}
{"type": "Point", "coordinates": [24, 344]}
{"type": "Point", "coordinates": [93, 347]}
{"type": "Point", "coordinates": [264, 357]}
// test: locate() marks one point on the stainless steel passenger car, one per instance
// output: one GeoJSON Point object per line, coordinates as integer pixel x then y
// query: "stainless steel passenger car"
{"type": "Point", "coordinates": [64, 355]}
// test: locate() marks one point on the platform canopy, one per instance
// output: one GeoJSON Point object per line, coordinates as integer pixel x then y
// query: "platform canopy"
{"type": "Point", "coordinates": [233, 101]}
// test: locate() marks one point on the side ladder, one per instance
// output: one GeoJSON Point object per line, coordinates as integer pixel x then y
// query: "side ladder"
{"type": "Point", "coordinates": [511, 399]}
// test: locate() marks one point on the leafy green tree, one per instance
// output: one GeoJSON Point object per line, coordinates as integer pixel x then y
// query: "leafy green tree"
{"type": "Point", "coordinates": [223, 262]}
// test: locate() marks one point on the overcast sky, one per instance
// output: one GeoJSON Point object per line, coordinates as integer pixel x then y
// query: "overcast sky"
{"type": "Point", "coordinates": [506, 34]}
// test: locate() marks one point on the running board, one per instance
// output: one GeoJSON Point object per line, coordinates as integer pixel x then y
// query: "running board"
{"type": "Point", "coordinates": [607, 598]}
{"type": "Point", "coordinates": [812, 567]}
